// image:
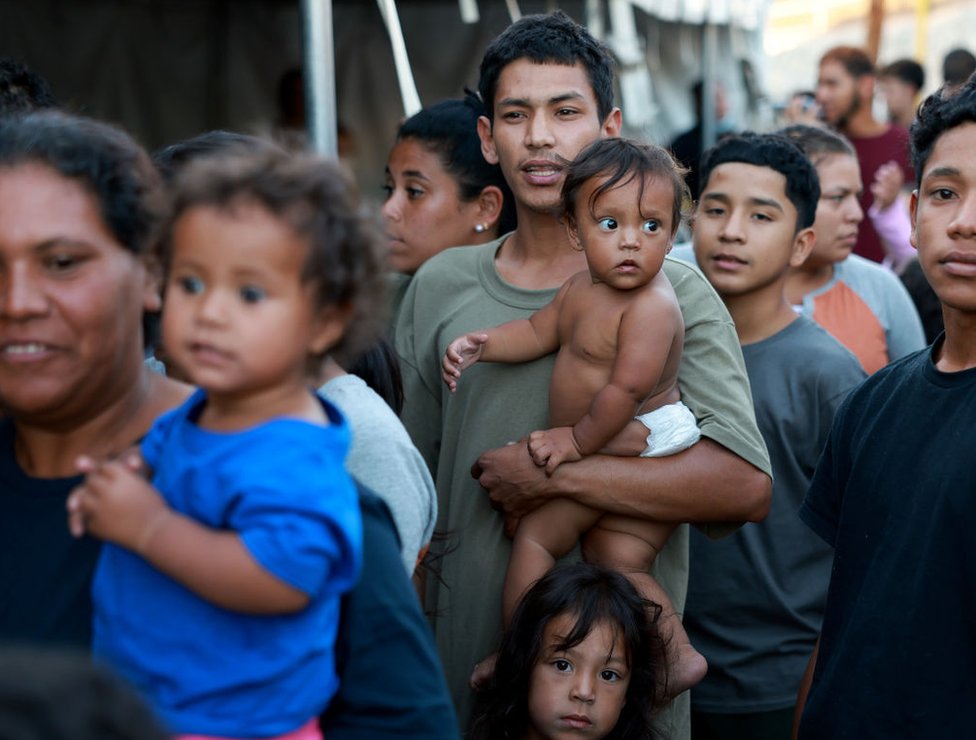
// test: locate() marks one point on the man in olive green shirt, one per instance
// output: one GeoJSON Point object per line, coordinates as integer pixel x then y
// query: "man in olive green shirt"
{"type": "Point", "coordinates": [548, 87]}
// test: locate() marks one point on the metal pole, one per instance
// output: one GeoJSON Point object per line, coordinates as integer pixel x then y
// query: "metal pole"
{"type": "Point", "coordinates": [320, 88]}
{"type": "Point", "coordinates": [709, 57]}
{"type": "Point", "coordinates": [408, 88]}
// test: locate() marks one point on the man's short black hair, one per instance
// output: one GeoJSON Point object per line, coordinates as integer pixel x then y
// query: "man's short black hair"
{"type": "Point", "coordinates": [957, 66]}
{"type": "Point", "coordinates": [554, 38]}
{"type": "Point", "coordinates": [937, 115]}
{"type": "Point", "coordinates": [777, 153]}
{"type": "Point", "coordinates": [908, 71]}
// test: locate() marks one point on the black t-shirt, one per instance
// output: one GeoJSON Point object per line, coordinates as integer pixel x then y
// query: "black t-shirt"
{"type": "Point", "coordinates": [895, 494]}
{"type": "Point", "coordinates": [45, 573]}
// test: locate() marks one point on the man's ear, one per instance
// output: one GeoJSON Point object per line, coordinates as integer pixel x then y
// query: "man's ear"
{"type": "Point", "coordinates": [613, 124]}
{"type": "Point", "coordinates": [802, 246]}
{"type": "Point", "coordinates": [487, 140]}
{"type": "Point", "coordinates": [490, 201]}
{"type": "Point", "coordinates": [913, 212]}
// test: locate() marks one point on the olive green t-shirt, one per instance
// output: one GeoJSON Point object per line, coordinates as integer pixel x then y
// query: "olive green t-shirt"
{"type": "Point", "coordinates": [459, 291]}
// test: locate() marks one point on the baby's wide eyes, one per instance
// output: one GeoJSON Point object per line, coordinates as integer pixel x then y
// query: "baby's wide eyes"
{"type": "Point", "coordinates": [607, 224]}
{"type": "Point", "coordinates": [650, 226]}
{"type": "Point", "coordinates": [251, 294]}
{"type": "Point", "coordinates": [191, 285]}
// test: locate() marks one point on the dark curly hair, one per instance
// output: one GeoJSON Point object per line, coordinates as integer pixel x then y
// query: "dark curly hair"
{"type": "Point", "coordinates": [938, 114]}
{"type": "Point", "coordinates": [103, 159]}
{"type": "Point", "coordinates": [621, 161]}
{"type": "Point", "coordinates": [777, 153]}
{"type": "Point", "coordinates": [592, 595]}
{"type": "Point", "coordinates": [22, 90]}
{"type": "Point", "coordinates": [314, 197]}
{"type": "Point", "coordinates": [548, 39]}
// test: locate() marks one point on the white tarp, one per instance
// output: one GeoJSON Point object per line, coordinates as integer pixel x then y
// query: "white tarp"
{"type": "Point", "coordinates": [747, 14]}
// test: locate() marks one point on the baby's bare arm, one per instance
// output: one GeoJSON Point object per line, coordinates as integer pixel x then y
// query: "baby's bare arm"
{"type": "Point", "coordinates": [516, 341]}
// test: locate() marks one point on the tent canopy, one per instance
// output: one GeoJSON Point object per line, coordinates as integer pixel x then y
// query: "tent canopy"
{"type": "Point", "coordinates": [169, 69]}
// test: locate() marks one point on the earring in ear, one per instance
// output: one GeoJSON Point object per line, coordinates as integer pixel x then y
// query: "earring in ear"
{"type": "Point", "coordinates": [480, 228]}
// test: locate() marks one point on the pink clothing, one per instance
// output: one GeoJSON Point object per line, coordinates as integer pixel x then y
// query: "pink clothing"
{"type": "Point", "coordinates": [308, 731]}
{"type": "Point", "coordinates": [894, 225]}
{"type": "Point", "coordinates": [873, 152]}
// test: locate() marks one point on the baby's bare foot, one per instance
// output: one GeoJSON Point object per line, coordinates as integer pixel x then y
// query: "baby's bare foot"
{"type": "Point", "coordinates": [687, 668]}
{"type": "Point", "coordinates": [482, 673]}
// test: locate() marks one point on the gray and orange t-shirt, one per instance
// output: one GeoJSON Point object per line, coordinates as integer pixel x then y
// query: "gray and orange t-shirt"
{"type": "Point", "coordinates": [866, 308]}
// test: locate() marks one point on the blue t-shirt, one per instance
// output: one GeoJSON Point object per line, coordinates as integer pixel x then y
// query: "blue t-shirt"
{"type": "Point", "coordinates": [207, 670]}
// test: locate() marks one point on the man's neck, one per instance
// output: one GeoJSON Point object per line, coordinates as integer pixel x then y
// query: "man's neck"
{"type": "Point", "coordinates": [539, 254]}
{"type": "Point", "coordinates": [803, 280]}
{"type": "Point", "coordinates": [958, 351]}
{"type": "Point", "coordinates": [862, 125]}
{"type": "Point", "coordinates": [760, 314]}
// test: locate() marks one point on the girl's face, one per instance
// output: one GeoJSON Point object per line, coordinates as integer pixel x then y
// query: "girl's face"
{"type": "Point", "coordinates": [237, 318]}
{"type": "Point", "coordinates": [577, 693]}
{"type": "Point", "coordinates": [423, 212]}
{"type": "Point", "coordinates": [839, 214]}
{"type": "Point", "coordinates": [71, 300]}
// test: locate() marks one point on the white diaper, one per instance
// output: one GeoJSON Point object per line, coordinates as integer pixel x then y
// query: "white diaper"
{"type": "Point", "coordinates": [672, 429]}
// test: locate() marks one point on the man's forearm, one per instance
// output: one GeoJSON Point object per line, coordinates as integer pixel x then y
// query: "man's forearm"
{"type": "Point", "coordinates": [705, 483]}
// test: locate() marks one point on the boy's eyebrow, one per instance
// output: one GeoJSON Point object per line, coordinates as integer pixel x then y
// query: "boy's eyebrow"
{"type": "Point", "coordinates": [554, 100]}
{"type": "Point", "coordinates": [753, 201]}
{"type": "Point", "coordinates": [945, 171]}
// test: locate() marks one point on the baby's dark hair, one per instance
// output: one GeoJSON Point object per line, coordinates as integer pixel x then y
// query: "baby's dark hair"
{"type": "Point", "coordinates": [48, 694]}
{"type": "Point", "coordinates": [548, 39]}
{"type": "Point", "coordinates": [593, 595]}
{"type": "Point", "coordinates": [778, 153]}
{"type": "Point", "coordinates": [622, 161]}
{"type": "Point", "coordinates": [103, 159]}
{"type": "Point", "coordinates": [818, 142]}
{"type": "Point", "coordinates": [313, 196]}
{"type": "Point", "coordinates": [938, 114]}
{"type": "Point", "coordinates": [449, 129]}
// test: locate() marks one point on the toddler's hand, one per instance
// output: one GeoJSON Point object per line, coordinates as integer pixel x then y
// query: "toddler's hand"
{"type": "Point", "coordinates": [115, 503]}
{"type": "Point", "coordinates": [888, 181]}
{"type": "Point", "coordinates": [462, 353]}
{"type": "Point", "coordinates": [551, 447]}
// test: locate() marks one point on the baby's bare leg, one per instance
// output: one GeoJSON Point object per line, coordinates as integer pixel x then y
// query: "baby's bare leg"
{"type": "Point", "coordinates": [543, 536]}
{"type": "Point", "coordinates": [630, 546]}
{"type": "Point", "coordinates": [541, 539]}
